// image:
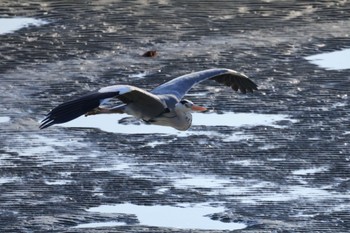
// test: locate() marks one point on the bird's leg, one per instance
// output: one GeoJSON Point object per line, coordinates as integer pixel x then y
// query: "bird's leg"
{"type": "Point", "coordinates": [100, 110]}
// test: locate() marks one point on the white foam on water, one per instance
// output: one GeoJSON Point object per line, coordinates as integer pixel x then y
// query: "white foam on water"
{"type": "Point", "coordinates": [200, 94]}
{"type": "Point", "coordinates": [301, 214]}
{"type": "Point", "coordinates": [120, 166]}
{"type": "Point", "coordinates": [337, 60]}
{"type": "Point", "coordinates": [58, 182]}
{"type": "Point", "coordinates": [155, 143]}
{"type": "Point", "coordinates": [4, 119]}
{"type": "Point", "coordinates": [246, 163]}
{"type": "Point", "coordinates": [309, 171]}
{"type": "Point", "coordinates": [139, 75]}
{"type": "Point", "coordinates": [4, 180]}
{"type": "Point", "coordinates": [300, 192]}
{"type": "Point", "coordinates": [100, 224]}
{"type": "Point", "coordinates": [198, 181]}
{"type": "Point", "coordinates": [45, 148]}
{"type": "Point", "coordinates": [9, 25]}
{"type": "Point", "coordinates": [186, 216]}
{"type": "Point", "coordinates": [253, 191]}
{"type": "Point", "coordinates": [236, 137]}
{"type": "Point", "coordinates": [221, 186]}
{"type": "Point", "coordinates": [109, 123]}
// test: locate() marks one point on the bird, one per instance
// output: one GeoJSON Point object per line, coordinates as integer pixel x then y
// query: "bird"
{"type": "Point", "coordinates": [165, 105]}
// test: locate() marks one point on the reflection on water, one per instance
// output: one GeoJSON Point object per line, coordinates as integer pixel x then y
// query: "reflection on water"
{"type": "Point", "coordinates": [337, 60]}
{"type": "Point", "coordinates": [186, 216]}
{"type": "Point", "coordinates": [109, 123]}
{"type": "Point", "coordinates": [9, 25]}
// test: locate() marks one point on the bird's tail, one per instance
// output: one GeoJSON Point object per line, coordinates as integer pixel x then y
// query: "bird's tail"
{"type": "Point", "coordinates": [75, 108]}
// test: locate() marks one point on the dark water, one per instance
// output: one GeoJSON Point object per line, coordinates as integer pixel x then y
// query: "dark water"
{"type": "Point", "coordinates": [273, 161]}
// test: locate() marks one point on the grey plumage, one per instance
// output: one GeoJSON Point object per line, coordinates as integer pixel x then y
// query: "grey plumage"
{"type": "Point", "coordinates": [162, 106]}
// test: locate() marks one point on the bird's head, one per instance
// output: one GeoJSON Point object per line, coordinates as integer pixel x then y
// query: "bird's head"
{"type": "Point", "coordinates": [187, 106]}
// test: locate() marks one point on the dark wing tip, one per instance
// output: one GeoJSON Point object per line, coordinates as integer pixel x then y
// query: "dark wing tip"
{"type": "Point", "coordinates": [46, 123]}
{"type": "Point", "coordinates": [74, 108]}
{"type": "Point", "coordinates": [237, 81]}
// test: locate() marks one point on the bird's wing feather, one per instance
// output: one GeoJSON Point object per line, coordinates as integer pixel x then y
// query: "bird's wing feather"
{"type": "Point", "coordinates": [181, 85]}
{"type": "Point", "coordinates": [81, 105]}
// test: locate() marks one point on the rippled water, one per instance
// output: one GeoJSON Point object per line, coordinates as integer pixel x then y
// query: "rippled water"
{"type": "Point", "coordinates": [283, 166]}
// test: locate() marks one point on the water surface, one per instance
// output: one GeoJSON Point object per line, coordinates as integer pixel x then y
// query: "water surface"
{"type": "Point", "coordinates": [184, 216]}
{"type": "Point", "coordinates": [9, 25]}
{"type": "Point", "coordinates": [337, 60]}
{"type": "Point", "coordinates": [4, 119]}
{"type": "Point", "coordinates": [109, 123]}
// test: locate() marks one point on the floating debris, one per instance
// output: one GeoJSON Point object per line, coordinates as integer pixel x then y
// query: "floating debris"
{"type": "Point", "coordinates": [150, 53]}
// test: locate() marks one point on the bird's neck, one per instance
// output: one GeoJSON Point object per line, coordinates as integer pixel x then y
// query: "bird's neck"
{"type": "Point", "coordinates": [186, 119]}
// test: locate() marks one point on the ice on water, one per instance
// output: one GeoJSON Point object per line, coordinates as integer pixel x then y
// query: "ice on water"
{"type": "Point", "coordinates": [337, 60]}
{"type": "Point", "coordinates": [9, 25]}
{"type": "Point", "coordinates": [184, 216]}
{"type": "Point", "coordinates": [109, 123]}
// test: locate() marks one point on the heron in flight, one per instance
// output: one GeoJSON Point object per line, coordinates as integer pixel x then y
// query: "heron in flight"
{"type": "Point", "coordinates": [164, 105]}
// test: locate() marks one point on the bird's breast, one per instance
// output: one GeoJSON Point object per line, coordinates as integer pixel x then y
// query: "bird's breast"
{"type": "Point", "coordinates": [178, 121]}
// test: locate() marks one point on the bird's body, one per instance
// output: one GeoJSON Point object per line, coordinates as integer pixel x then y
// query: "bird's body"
{"type": "Point", "coordinates": [164, 105]}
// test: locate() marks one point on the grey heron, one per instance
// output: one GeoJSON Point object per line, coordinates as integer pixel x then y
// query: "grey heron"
{"type": "Point", "coordinates": [164, 105]}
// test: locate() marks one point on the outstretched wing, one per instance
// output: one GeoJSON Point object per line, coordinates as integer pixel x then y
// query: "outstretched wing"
{"type": "Point", "coordinates": [181, 85]}
{"type": "Point", "coordinates": [80, 106]}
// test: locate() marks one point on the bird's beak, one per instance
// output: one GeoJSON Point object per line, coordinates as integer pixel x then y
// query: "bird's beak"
{"type": "Point", "coordinates": [198, 108]}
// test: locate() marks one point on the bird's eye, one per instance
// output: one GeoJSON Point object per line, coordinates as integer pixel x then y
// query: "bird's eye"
{"type": "Point", "coordinates": [186, 103]}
